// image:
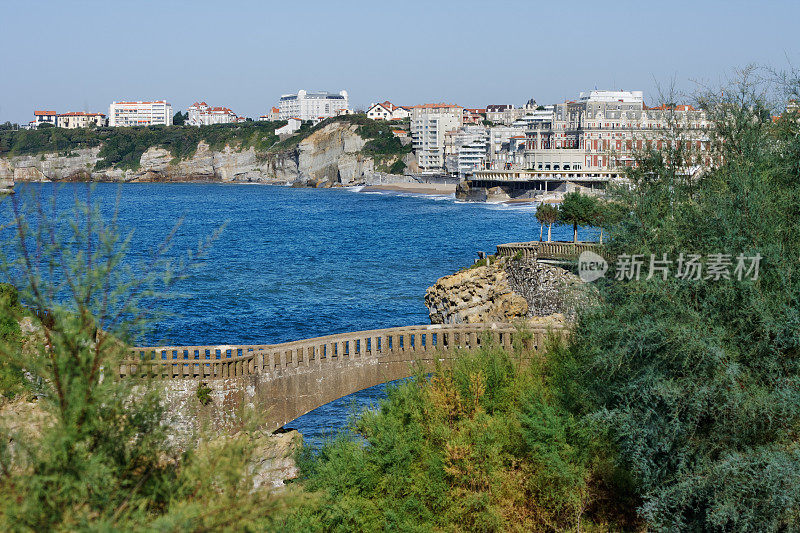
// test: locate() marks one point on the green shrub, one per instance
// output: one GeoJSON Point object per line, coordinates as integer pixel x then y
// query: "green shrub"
{"type": "Point", "coordinates": [12, 379]}
{"type": "Point", "coordinates": [203, 393]}
{"type": "Point", "coordinates": [481, 445]}
{"type": "Point", "coordinates": [397, 167]}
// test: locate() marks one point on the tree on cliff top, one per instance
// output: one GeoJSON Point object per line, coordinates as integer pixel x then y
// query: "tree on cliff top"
{"type": "Point", "coordinates": [579, 210]}
{"type": "Point", "coordinates": [179, 119]}
{"type": "Point", "coordinates": [546, 214]}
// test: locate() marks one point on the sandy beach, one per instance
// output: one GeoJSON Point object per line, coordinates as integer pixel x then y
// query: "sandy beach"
{"type": "Point", "coordinates": [414, 188]}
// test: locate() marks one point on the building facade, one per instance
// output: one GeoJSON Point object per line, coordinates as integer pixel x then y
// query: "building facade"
{"type": "Point", "coordinates": [312, 105]}
{"type": "Point", "coordinates": [201, 114]}
{"type": "Point", "coordinates": [292, 125]}
{"type": "Point", "coordinates": [140, 113]}
{"type": "Point", "coordinates": [44, 117]}
{"type": "Point", "coordinates": [507, 114]}
{"type": "Point", "coordinates": [79, 119]}
{"type": "Point", "coordinates": [429, 124]}
{"type": "Point", "coordinates": [604, 130]}
{"type": "Point", "coordinates": [387, 111]}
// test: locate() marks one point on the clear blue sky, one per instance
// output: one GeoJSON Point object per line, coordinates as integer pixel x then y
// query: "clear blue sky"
{"type": "Point", "coordinates": [80, 55]}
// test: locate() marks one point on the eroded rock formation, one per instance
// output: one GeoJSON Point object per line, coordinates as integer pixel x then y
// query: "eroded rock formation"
{"type": "Point", "coordinates": [506, 290]}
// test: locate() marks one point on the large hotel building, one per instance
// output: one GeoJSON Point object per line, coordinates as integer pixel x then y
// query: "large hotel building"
{"type": "Point", "coordinates": [604, 129]}
{"type": "Point", "coordinates": [140, 113]}
{"type": "Point", "coordinates": [311, 105]}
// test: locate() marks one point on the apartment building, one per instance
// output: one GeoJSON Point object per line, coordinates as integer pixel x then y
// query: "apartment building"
{"type": "Point", "coordinates": [429, 124]}
{"type": "Point", "coordinates": [603, 130]}
{"type": "Point", "coordinates": [201, 114]}
{"type": "Point", "coordinates": [312, 105]}
{"type": "Point", "coordinates": [140, 113]}
{"type": "Point", "coordinates": [80, 119]}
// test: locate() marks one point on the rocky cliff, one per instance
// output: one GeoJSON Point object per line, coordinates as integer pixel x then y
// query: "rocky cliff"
{"type": "Point", "coordinates": [505, 290]}
{"type": "Point", "coordinates": [330, 155]}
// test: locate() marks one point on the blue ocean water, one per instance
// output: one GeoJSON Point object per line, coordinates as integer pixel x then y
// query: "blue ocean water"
{"type": "Point", "coordinates": [297, 263]}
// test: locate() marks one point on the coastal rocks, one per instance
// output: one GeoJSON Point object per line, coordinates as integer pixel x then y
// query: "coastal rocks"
{"type": "Point", "coordinates": [504, 291]}
{"type": "Point", "coordinates": [479, 294]}
{"type": "Point", "coordinates": [272, 463]}
{"type": "Point", "coordinates": [466, 192]}
{"type": "Point", "coordinates": [6, 178]}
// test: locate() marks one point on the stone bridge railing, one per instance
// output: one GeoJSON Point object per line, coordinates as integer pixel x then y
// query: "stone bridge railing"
{"type": "Point", "coordinates": [559, 250]}
{"type": "Point", "coordinates": [285, 381]}
{"type": "Point", "coordinates": [226, 361]}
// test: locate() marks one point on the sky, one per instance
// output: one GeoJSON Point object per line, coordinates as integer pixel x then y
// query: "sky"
{"type": "Point", "coordinates": [73, 55]}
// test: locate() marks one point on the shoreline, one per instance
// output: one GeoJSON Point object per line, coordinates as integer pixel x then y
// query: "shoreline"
{"type": "Point", "coordinates": [433, 189]}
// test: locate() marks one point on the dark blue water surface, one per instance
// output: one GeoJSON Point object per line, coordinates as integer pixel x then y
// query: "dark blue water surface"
{"type": "Point", "coordinates": [299, 263]}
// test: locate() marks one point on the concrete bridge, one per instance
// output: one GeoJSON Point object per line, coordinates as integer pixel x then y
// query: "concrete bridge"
{"type": "Point", "coordinates": [290, 379]}
{"type": "Point", "coordinates": [548, 251]}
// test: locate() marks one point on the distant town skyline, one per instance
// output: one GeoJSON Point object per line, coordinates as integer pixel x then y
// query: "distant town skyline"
{"type": "Point", "coordinates": [468, 53]}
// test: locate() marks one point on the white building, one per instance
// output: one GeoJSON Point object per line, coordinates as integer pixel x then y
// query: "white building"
{"type": "Point", "coordinates": [312, 105]}
{"type": "Point", "coordinates": [292, 125]}
{"type": "Point", "coordinates": [44, 117]}
{"type": "Point", "coordinates": [140, 113]}
{"type": "Point", "coordinates": [429, 124]}
{"type": "Point", "coordinates": [201, 114]}
{"type": "Point", "coordinates": [387, 111]}
{"type": "Point", "coordinates": [79, 119]}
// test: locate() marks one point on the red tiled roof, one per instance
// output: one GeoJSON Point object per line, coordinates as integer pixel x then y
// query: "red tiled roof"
{"type": "Point", "coordinates": [39, 113]}
{"type": "Point", "coordinates": [276, 110]}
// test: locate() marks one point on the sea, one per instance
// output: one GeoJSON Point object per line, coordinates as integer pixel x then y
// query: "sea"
{"type": "Point", "coordinates": [292, 263]}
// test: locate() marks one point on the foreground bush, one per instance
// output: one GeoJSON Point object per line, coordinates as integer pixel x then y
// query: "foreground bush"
{"type": "Point", "coordinates": [480, 445]}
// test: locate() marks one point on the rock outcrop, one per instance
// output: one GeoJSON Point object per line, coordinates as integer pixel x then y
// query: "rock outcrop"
{"type": "Point", "coordinates": [330, 155]}
{"type": "Point", "coordinates": [505, 290]}
{"type": "Point", "coordinates": [479, 294]}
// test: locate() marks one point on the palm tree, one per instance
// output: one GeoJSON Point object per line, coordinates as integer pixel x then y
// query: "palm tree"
{"type": "Point", "coordinates": [547, 214]}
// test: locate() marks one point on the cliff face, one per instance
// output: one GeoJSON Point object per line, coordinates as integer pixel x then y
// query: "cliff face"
{"type": "Point", "coordinates": [329, 155]}
{"type": "Point", "coordinates": [506, 290]}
